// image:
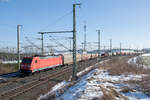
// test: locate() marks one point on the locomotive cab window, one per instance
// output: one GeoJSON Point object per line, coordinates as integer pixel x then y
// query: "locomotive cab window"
{"type": "Point", "coordinates": [27, 60]}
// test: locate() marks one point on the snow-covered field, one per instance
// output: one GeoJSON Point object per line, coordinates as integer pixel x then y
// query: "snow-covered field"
{"type": "Point", "coordinates": [147, 54]}
{"type": "Point", "coordinates": [99, 83]}
{"type": "Point", "coordinates": [66, 84]}
{"type": "Point", "coordinates": [8, 62]}
{"type": "Point", "coordinates": [141, 61]}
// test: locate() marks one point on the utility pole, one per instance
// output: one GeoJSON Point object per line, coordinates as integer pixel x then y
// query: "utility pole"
{"type": "Point", "coordinates": [110, 45]}
{"type": "Point", "coordinates": [18, 44]}
{"type": "Point", "coordinates": [70, 46]}
{"type": "Point", "coordinates": [42, 39]}
{"type": "Point", "coordinates": [120, 47]}
{"type": "Point", "coordinates": [85, 37]}
{"type": "Point", "coordinates": [74, 71]}
{"type": "Point", "coordinates": [99, 52]}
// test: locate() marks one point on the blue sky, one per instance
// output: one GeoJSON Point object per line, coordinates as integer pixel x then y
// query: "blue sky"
{"type": "Point", "coordinates": [126, 21]}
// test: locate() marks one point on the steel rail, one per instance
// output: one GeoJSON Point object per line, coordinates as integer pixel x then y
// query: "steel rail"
{"type": "Point", "coordinates": [12, 93]}
{"type": "Point", "coordinates": [26, 87]}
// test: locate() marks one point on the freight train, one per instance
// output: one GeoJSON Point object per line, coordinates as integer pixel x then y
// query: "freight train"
{"type": "Point", "coordinates": [38, 63]}
{"type": "Point", "coordinates": [116, 53]}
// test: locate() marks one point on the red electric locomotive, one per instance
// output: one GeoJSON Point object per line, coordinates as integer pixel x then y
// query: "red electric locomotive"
{"type": "Point", "coordinates": [37, 63]}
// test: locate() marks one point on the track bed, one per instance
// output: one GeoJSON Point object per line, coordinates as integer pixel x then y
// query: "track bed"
{"type": "Point", "coordinates": [10, 89]}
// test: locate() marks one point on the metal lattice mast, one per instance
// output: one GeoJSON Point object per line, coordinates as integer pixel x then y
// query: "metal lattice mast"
{"type": "Point", "coordinates": [120, 47]}
{"type": "Point", "coordinates": [74, 71]}
{"type": "Point", "coordinates": [74, 42]}
{"type": "Point", "coordinates": [110, 45]}
{"type": "Point", "coordinates": [18, 44]}
{"type": "Point", "coordinates": [84, 37]}
{"type": "Point", "coordinates": [42, 39]}
{"type": "Point", "coordinates": [99, 52]}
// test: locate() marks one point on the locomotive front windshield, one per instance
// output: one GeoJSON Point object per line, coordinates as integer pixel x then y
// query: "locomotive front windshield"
{"type": "Point", "coordinates": [27, 60]}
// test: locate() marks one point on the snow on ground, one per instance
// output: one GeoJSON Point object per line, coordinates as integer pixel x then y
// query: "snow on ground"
{"type": "Point", "coordinates": [132, 60]}
{"type": "Point", "coordinates": [59, 86]}
{"type": "Point", "coordinates": [104, 75]}
{"type": "Point", "coordinates": [97, 83]}
{"type": "Point", "coordinates": [78, 90]}
{"type": "Point", "coordinates": [87, 69]}
{"type": "Point", "coordinates": [137, 96]}
{"type": "Point", "coordinates": [141, 61]}
{"type": "Point", "coordinates": [54, 89]}
{"type": "Point", "coordinates": [65, 84]}
{"type": "Point", "coordinates": [146, 67]}
{"type": "Point", "coordinates": [10, 62]}
{"type": "Point", "coordinates": [147, 54]}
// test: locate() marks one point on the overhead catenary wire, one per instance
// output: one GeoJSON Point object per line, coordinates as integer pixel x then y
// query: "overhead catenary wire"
{"type": "Point", "coordinates": [57, 20]}
{"type": "Point", "coordinates": [26, 36]}
{"type": "Point", "coordinates": [57, 42]}
{"type": "Point", "coordinates": [32, 43]}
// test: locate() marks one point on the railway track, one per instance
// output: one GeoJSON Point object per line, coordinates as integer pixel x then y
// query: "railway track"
{"type": "Point", "coordinates": [19, 81]}
{"type": "Point", "coordinates": [11, 83]}
{"type": "Point", "coordinates": [22, 89]}
{"type": "Point", "coordinates": [6, 78]}
{"type": "Point", "coordinates": [10, 94]}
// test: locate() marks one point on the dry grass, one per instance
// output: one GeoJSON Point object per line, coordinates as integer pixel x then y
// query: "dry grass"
{"type": "Point", "coordinates": [8, 68]}
{"type": "Point", "coordinates": [118, 66]}
{"type": "Point", "coordinates": [109, 93]}
{"type": "Point", "coordinates": [127, 89]}
{"type": "Point", "coordinates": [106, 94]}
{"type": "Point", "coordinates": [144, 84]}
